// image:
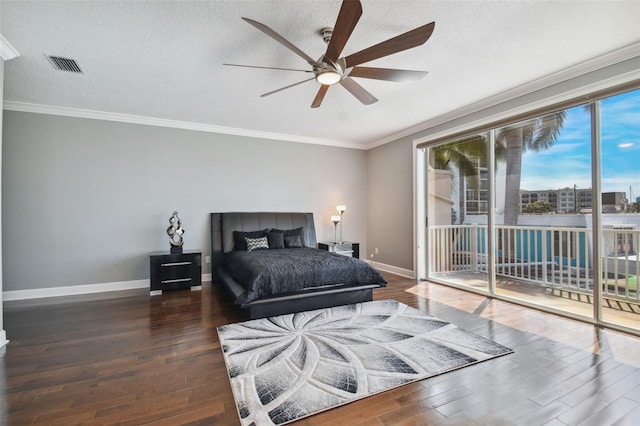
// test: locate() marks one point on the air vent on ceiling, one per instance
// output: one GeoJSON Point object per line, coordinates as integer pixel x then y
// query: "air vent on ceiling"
{"type": "Point", "coordinates": [64, 64]}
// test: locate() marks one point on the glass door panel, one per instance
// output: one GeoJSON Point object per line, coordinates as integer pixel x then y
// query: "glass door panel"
{"type": "Point", "coordinates": [457, 212]}
{"type": "Point", "coordinates": [620, 142]}
{"type": "Point", "coordinates": [546, 185]}
{"type": "Point", "coordinates": [543, 216]}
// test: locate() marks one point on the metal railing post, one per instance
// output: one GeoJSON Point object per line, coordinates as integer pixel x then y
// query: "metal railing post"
{"type": "Point", "coordinates": [544, 255]}
{"type": "Point", "coordinates": [474, 247]}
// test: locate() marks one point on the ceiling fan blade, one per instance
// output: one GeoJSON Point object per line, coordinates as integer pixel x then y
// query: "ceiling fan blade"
{"type": "Point", "coordinates": [348, 17]}
{"type": "Point", "coordinates": [396, 44]}
{"type": "Point", "coordinates": [266, 68]}
{"type": "Point", "coordinates": [317, 101]}
{"type": "Point", "coordinates": [287, 87]}
{"type": "Point", "coordinates": [358, 91]}
{"type": "Point", "coordinates": [387, 74]}
{"type": "Point", "coordinates": [277, 37]}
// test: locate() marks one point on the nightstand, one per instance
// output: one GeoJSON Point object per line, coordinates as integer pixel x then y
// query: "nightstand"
{"type": "Point", "coordinates": [172, 271]}
{"type": "Point", "coordinates": [345, 248]}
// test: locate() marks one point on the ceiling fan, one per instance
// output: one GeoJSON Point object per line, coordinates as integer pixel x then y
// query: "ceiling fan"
{"type": "Point", "coordinates": [332, 69]}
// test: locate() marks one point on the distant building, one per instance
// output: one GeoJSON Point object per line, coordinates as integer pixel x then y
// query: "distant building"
{"type": "Point", "coordinates": [614, 202]}
{"type": "Point", "coordinates": [575, 200]}
{"type": "Point", "coordinates": [475, 197]}
{"type": "Point", "coordinates": [583, 199]}
{"type": "Point", "coordinates": [440, 206]}
{"type": "Point", "coordinates": [565, 200]}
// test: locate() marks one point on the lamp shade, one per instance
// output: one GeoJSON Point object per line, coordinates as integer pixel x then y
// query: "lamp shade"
{"type": "Point", "coordinates": [335, 218]}
{"type": "Point", "coordinates": [341, 208]}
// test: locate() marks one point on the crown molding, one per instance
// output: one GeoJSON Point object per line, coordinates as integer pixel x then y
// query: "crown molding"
{"type": "Point", "coordinates": [608, 59]}
{"type": "Point", "coordinates": [583, 92]}
{"type": "Point", "coordinates": [7, 51]}
{"type": "Point", "coordinates": [591, 65]}
{"type": "Point", "coordinates": [161, 122]}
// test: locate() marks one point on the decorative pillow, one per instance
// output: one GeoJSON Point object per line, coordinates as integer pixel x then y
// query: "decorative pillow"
{"type": "Point", "coordinates": [293, 241]}
{"type": "Point", "coordinates": [239, 238]}
{"type": "Point", "coordinates": [260, 243]}
{"type": "Point", "coordinates": [291, 233]}
{"type": "Point", "coordinates": [276, 240]}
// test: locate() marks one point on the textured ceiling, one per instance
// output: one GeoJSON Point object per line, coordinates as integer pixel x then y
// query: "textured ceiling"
{"type": "Point", "coordinates": [163, 60]}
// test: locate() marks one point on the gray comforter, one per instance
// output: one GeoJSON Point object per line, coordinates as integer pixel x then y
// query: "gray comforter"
{"type": "Point", "coordinates": [272, 272]}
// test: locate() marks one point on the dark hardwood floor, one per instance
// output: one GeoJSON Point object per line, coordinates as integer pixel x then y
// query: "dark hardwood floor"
{"type": "Point", "coordinates": [130, 359]}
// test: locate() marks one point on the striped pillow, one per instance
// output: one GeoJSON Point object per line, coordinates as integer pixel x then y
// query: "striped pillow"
{"type": "Point", "coordinates": [257, 243]}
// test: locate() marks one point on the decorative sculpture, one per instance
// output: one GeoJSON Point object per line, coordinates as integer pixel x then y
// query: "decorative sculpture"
{"type": "Point", "coordinates": [175, 231]}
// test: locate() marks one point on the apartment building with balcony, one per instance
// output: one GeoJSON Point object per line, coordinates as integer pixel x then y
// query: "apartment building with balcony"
{"type": "Point", "coordinates": [574, 200]}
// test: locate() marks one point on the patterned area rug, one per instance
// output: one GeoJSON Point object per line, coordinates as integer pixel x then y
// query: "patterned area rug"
{"type": "Point", "coordinates": [291, 366]}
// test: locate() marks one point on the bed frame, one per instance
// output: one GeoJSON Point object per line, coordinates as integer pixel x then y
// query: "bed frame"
{"type": "Point", "coordinates": [222, 227]}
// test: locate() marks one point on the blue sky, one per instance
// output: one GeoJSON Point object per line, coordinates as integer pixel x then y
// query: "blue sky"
{"type": "Point", "coordinates": [568, 161]}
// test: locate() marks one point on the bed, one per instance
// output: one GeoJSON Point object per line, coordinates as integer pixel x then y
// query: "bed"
{"type": "Point", "coordinates": [290, 276]}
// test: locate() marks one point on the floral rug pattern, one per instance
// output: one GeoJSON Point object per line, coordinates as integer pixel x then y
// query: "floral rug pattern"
{"type": "Point", "coordinates": [291, 366]}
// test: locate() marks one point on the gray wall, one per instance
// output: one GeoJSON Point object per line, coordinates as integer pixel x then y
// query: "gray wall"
{"type": "Point", "coordinates": [390, 200]}
{"type": "Point", "coordinates": [85, 201]}
{"type": "Point", "coordinates": [390, 166]}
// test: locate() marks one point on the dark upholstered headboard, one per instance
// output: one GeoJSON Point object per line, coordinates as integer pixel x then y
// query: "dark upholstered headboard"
{"type": "Point", "coordinates": [223, 225]}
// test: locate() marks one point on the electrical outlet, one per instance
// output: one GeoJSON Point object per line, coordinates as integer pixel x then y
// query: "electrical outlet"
{"type": "Point", "coordinates": [376, 250]}
{"type": "Point", "coordinates": [207, 259]}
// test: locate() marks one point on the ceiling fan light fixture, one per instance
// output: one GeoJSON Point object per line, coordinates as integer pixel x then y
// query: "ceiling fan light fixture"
{"type": "Point", "coordinates": [328, 78]}
{"type": "Point", "coordinates": [331, 68]}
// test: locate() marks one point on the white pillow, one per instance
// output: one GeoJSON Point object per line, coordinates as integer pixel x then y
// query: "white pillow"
{"type": "Point", "coordinates": [257, 243]}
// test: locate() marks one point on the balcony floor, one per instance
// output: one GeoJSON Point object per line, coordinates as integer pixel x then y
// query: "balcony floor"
{"type": "Point", "coordinates": [622, 313]}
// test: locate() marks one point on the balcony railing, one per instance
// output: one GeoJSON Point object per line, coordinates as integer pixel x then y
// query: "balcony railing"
{"type": "Point", "coordinates": [552, 257]}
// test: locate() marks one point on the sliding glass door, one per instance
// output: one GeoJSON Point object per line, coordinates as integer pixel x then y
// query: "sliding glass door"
{"type": "Point", "coordinates": [542, 211]}
{"type": "Point", "coordinates": [542, 230]}
{"type": "Point", "coordinates": [620, 164]}
{"type": "Point", "coordinates": [458, 205]}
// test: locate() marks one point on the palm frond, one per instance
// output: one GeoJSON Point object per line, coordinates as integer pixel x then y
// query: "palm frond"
{"type": "Point", "coordinates": [548, 131]}
{"type": "Point", "coordinates": [538, 134]}
{"type": "Point", "coordinates": [461, 154]}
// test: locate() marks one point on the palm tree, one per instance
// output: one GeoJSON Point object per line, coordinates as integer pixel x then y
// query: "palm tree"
{"type": "Point", "coordinates": [460, 155]}
{"type": "Point", "coordinates": [537, 134]}
{"type": "Point", "coordinates": [464, 155]}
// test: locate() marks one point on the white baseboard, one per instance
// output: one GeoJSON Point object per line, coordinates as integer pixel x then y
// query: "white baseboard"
{"type": "Point", "coordinates": [73, 290]}
{"type": "Point", "coordinates": [407, 273]}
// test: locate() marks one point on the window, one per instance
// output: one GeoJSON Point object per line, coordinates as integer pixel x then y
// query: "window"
{"type": "Point", "coordinates": [531, 243]}
{"type": "Point", "coordinates": [624, 244]}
